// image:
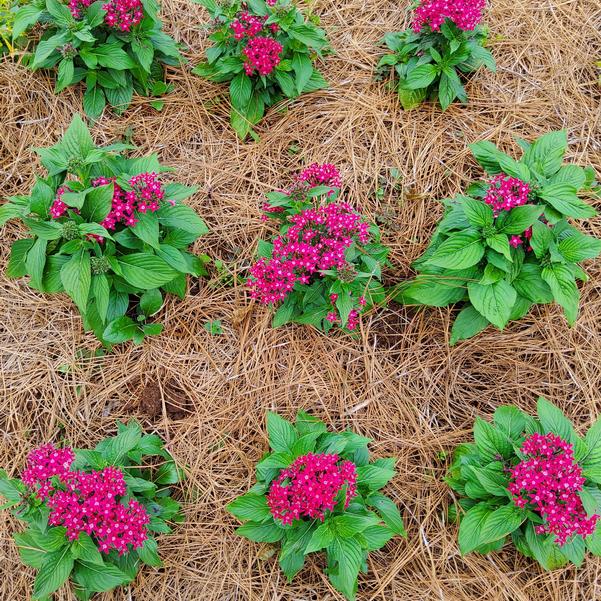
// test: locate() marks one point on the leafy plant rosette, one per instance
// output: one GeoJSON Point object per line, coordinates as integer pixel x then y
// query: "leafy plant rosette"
{"type": "Point", "coordinates": [532, 481]}
{"type": "Point", "coordinates": [105, 230]}
{"type": "Point", "coordinates": [318, 491]}
{"type": "Point", "coordinates": [430, 60]}
{"type": "Point", "coordinates": [92, 515]}
{"type": "Point", "coordinates": [115, 47]}
{"type": "Point", "coordinates": [324, 267]}
{"type": "Point", "coordinates": [266, 50]}
{"type": "Point", "coordinates": [510, 243]}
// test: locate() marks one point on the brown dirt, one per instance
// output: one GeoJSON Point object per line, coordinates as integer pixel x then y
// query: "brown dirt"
{"type": "Point", "coordinates": [412, 394]}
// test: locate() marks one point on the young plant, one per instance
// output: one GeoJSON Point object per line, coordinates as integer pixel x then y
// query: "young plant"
{"type": "Point", "coordinates": [319, 491]}
{"type": "Point", "coordinates": [115, 47]}
{"type": "Point", "coordinates": [445, 42]}
{"type": "Point", "coordinates": [92, 515]}
{"type": "Point", "coordinates": [510, 244]}
{"type": "Point", "coordinates": [8, 9]}
{"type": "Point", "coordinates": [533, 480]}
{"type": "Point", "coordinates": [266, 50]}
{"type": "Point", "coordinates": [105, 230]}
{"type": "Point", "coordinates": [325, 265]}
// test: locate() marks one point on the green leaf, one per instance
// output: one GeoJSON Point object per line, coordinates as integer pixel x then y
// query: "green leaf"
{"type": "Point", "coordinates": [9, 488]}
{"type": "Point", "coordinates": [518, 219]}
{"type": "Point", "coordinates": [374, 476]}
{"type": "Point", "coordinates": [182, 217]}
{"type": "Point", "coordinates": [241, 91]}
{"type": "Point", "coordinates": [377, 536]}
{"type": "Point", "coordinates": [501, 522]}
{"type": "Point", "coordinates": [420, 77]}
{"type": "Point", "coordinates": [578, 247]}
{"type": "Point", "coordinates": [149, 554]}
{"type": "Point", "coordinates": [120, 330]}
{"type": "Point", "coordinates": [554, 421]}
{"type": "Point", "coordinates": [500, 243]}
{"type": "Point", "coordinates": [16, 265]}
{"type": "Point", "coordinates": [98, 203]}
{"type": "Point", "coordinates": [493, 301]}
{"type": "Point", "coordinates": [94, 101]}
{"type": "Point", "coordinates": [544, 550]}
{"type": "Point", "coordinates": [388, 511]}
{"type": "Point", "coordinates": [101, 293]}
{"type": "Point", "coordinates": [261, 533]}
{"type": "Point", "coordinates": [151, 301]}
{"type": "Point", "coordinates": [47, 230]}
{"type": "Point", "coordinates": [54, 571]}
{"type": "Point", "coordinates": [488, 155]}
{"type": "Point", "coordinates": [348, 525]}
{"type": "Point", "coordinates": [35, 262]}
{"type": "Point", "coordinates": [478, 213]}
{"type": "Point", "coordinates": [470, 527]}
{"type": "Point", "coordinates": [530, 285]}
{"type": "Point", "coordinates": [322, 538]}
{"type": "Point", "coordinates": [563, 286]}
{"type": "Point", "coordinates": [467, 324]}
{"type": "Point", "coordinates": [85, 549]}
{"type": "Point", "coordinates": [511, 420]}
{"type": "Point", "coordinates": [65, 73]}
{"type": "Point", "coordinates": [30, 551]}
{"type": "Point", "coordinates": [348, 554]}
{"type": "Point", "coordinates": [112, 56]}
{"type": "Point", "coordinates": [546, 154]}
{"type": "Point", "coordinates": [303, 69]}
{"type": "Point", "coordinates": [77, 140]}
{"type": "Point", "coordinates": [459, 251]}
{"type": "Point", "coordinates": [144, 51]}
{"type": "Point", "coordinates": [282, 434]}
{"type": "Point", "coordinates": [147, 228]}
{"type": "Point", "coordinates": [146, 271]}
{"type": "Point", "coordinates": [251, 507]}
{"type": "Point", "coordinates": [25, 17]}
{"type": "Point", "coordinates": [411, 99]}
{"type": "Point", "coordinates": [563, 198]}
{"type": "Point", "coordinates": [491, 442]}
{"type": "Point", "coordinates": [76, 277]}
{"type": "Point", "coordinates": [99, 578]}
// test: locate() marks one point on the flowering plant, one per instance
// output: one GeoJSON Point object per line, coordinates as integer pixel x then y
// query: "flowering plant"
{"type": "Point", "coordinates": [325, 265]}
{"type": "Point", "coordinates": [509, 244]}
{"type": "Point", "coordinates": [444, 42]}
{"type": "Point", "coordinates": [534, 480]}
{"type": "Point", "coordinates": [105, 230]}
{"type": "Point", "coordinates": [92, 515]}
{"type": "Point", "coordinates": [319, 491]}
{"type": "Point", "coordinates": [265, 49]}
{"type": "Point", "coordinates": [114, 46]}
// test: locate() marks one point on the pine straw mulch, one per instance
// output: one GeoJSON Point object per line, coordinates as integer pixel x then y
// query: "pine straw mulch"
{"type": "Point", "coordinates": [400, 383]}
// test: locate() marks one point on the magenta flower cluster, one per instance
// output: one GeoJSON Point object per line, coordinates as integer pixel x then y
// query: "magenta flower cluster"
{"type": "Point", "coordinates": [548, 481]}
{"type": "Point", "coordinates": [262, 54]}
{"type": "Point", "coordinates": [123, 14]}
{"type": "Point", "coordinates": [86, 502]}
{"type": "Point", "coordinates": [316, 241]}
{"type": "Point", "coordinates": [247, 25]}
{"type": "Point", "coordinates": [505, 193]}
{"type": "Point", "coordinates": [309, 487]}
{"type": "Point", "coordinates": [145, 196]}
{"type": "Point", "coordinates": [466, 14]}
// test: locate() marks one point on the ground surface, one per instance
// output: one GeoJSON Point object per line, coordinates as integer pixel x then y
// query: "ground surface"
{"type": "Point", "coordinates": [400, 383]}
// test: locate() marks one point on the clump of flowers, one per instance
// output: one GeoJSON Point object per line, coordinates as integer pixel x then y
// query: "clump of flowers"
{"type": "Point", "coordinates": [544, 496]}
{"type": "Point", "coordinates": [114, 243]}
{"type": "Point", "coordinates": [262, 55]}
{"type": "Point", "coordinates": [86, 502]}
{"type": "Point", "coordinates": [266, 51]}
{"type": "Point", "coordinates": [431, 59]}
{"type": "Point", "coordinates": [308, 494]}
{"type": "Point", "coordinates": [510, 242]}
{"type": "Point", "coordinates": [90, 508]}
{"type": "Point", "coordinates": [309, 487]}
{"type": "Point", "coordinates": [548, 481]}
{"type": "Point", "coordinates": [465, 14]}
{"type": "Point", "coordinates": [325, 249]}
{"type": "Point", "coordinates": [113, 51]}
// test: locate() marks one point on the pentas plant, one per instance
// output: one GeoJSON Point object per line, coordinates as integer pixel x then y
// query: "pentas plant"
{"type": "Point", "coordinates": [115, 47]}
{"type": "Point", "coordinates": [445, 42]}
{"type": "Point", "coordinates": [534, 482]}
{"type": "Point", "coordinates": [266, 50]}
{"type": "Point", "coordinates": [324, 267]}
{"type": "Point", "coordinates": [92, 515]}
{"type": "Point", "coordinates": [109, 232]}
{"type": "Point", "coordinates": [511, 243]}
{"type": "Point", "coordinates": [319, 491]}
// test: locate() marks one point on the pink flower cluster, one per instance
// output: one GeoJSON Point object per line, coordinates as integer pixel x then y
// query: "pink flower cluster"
{"type": "Point", "coordinates": [309, 486]}
{"type": "Point", "coordinates": [247, 25]}
{"type": "Point", "coordinates": [316, 241]}
{"type": "Point", "coordinates": [262, 54]}
{"type": "Point", "coordinates": [353, 317]}
{"type": "Point", "coordinates": [505, 192]}
{"type": "Point", "coordinates": [145, 195]}
{"type": "Point", "coordinates": [76, 7]}
{"type": "Point", "coordinates": [86, 502]}
{"type": "Point", "coordinates": [123, 14]}
{"type": "Point", "coordinates": [466, 14]}
{"type": "Point", "coordinates": [548, 481]}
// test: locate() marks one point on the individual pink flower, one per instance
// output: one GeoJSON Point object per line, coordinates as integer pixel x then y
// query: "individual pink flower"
{"type": "Point", "coordinates": [466, 14]}
{"type": "Point", "coordinates": [309, 487]}
{"type": "Point", "coordinates": [548, 481]}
